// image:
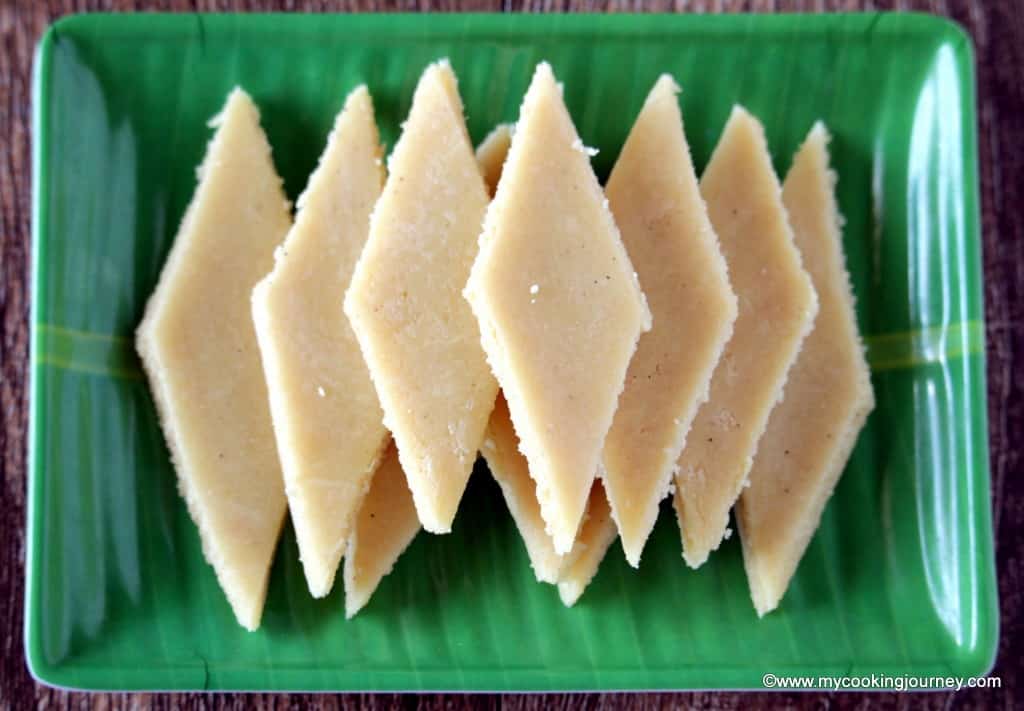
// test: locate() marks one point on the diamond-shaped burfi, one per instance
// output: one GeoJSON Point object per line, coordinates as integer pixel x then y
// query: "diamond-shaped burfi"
{"type": "Point", "coordinates": [327, 418]}
{"type": "Point", "coordinates": [418, 335]}
{"type": "Point", "coordinates": [501, 445]}
{"type": "Point", "coordinates": [559, 305]}
{"type": "Point", "coordinates": [573, 571]}
{"type": "Point", "coordinates": [777, 305]}
{"type": "Point", "coordinates": [198, 346]}
{"type": "Point", "coordinates": [656, 202]}
{"type": "Point", "coordinates": [828, 395]}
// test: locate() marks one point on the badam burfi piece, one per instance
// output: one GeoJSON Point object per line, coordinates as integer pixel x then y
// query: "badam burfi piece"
{"type": "Point", "coordinates": [812, 432]}
{"type": "Point", "coordinates": [597, 533]}
{"type": "Point", "coordinates": [777, 305]}
{"type": "Point", "coordinates": [559, 305]}
{"type": "Point", "coordinates": [326, 416]}
{"type": "Point", "coordinates": [655, 198]}
{"type": "Point", "coordinates": [500, 449]}
{"type": "Point", "coordinates": [491, 153]}
{"type": "Point", "coordinates": [418, 335]}
{"type": "Point", "coordinates": [512, 472]}
{"type": "Point", "coordinates": [198, 346]}
{"type": "Point", "coordinates": [384, 527]}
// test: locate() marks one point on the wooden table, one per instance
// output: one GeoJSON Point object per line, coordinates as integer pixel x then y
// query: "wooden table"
{"type": "Point", "coordinates": [997, 27]}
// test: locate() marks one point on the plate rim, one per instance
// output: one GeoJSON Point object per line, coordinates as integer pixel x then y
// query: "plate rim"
{"type": "Point", "coordinates": [63, 676]}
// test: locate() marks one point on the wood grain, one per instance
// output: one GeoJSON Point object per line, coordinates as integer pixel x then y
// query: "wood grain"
{"type": "Point", "coordinates": [997, 27]}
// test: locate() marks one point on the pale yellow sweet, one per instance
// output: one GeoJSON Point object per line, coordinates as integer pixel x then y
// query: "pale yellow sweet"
{"type": "Point", "coordinates": [491, 153]}
{"type": "Point", "coordinates": [512, 472]}
{"type": "Point", "coordinates": [828, 395]}
{"type": "Point", "coordinates": [500, 449]}
{"type": "Point", "coordinates": [510, 469]}
{"type": "Point", "coordinates": [384, 527]}
{"type": "Point", "coordinates": [777, 305]}
{"type": "Point", "coordinates": [327, 420]}
{"type": "Point", "coordinates": [595, 537]}
{"type": "Point", "coordinates": [655, 198]}
{"type": "Point", "coordinates": [559, 305]}
{"type": "Point", "coordinates": [417, 334]}
{"type": "Point", "coordinates": [199, 350]}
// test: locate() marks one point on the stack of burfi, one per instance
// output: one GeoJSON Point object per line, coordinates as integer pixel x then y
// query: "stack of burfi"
{"type": "Point", "coordinates": [601, 348]}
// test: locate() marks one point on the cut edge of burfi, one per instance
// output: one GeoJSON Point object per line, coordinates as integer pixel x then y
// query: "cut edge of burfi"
{"type": "Point", "coordinates": [545, 570]}
{"type": "Point", "coordinates": [356, 596]}
{"type": "Point", "coordinates": [696, 558]}
{"type": "Point", "coordinates": [238, 99]}
{"type": "Point", "coordinates": [319, 566]}
{"type": "Point", "coordinates": [359, 99]}
{"type": "Point", "coordinates": [597, 533]}
{"type": "Point", "coordinates": [819, 134]}
{"type": "Point", "coordinates": [248, 612]}
{"type": "Point", "coordinates": [450, 80]}
{"type": "Point", "coordinates": [633, 550]}
{"type": "Point", "coordinates": [491, 154]}
{"type": "Point", "coordinates": [546, 563]}
{"type": "Point", "coordinates": [767, 591]}
{"type": "Point", "coordinates": [357, 599]}
{"type": "Point", "coordinates": [543, 81]}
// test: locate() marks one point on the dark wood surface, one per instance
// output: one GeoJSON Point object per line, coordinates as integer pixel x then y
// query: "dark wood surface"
{"type": "Point", "coordinates": [997, 27]}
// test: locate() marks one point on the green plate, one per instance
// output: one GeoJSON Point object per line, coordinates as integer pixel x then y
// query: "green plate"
{"type": "Point", "coordinates": [899, 578]}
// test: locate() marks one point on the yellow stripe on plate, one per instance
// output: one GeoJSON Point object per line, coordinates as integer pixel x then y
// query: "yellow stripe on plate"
{"type": "Point", "coordinates": [87, 352]}
{"type": "Point", "coordinates": [114, 355]}
{"type": "Point", "coordinates": [936, 344]}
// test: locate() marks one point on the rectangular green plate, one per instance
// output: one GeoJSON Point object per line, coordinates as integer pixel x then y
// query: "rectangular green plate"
{"type": "Point", "coordinates": [898, 580]}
